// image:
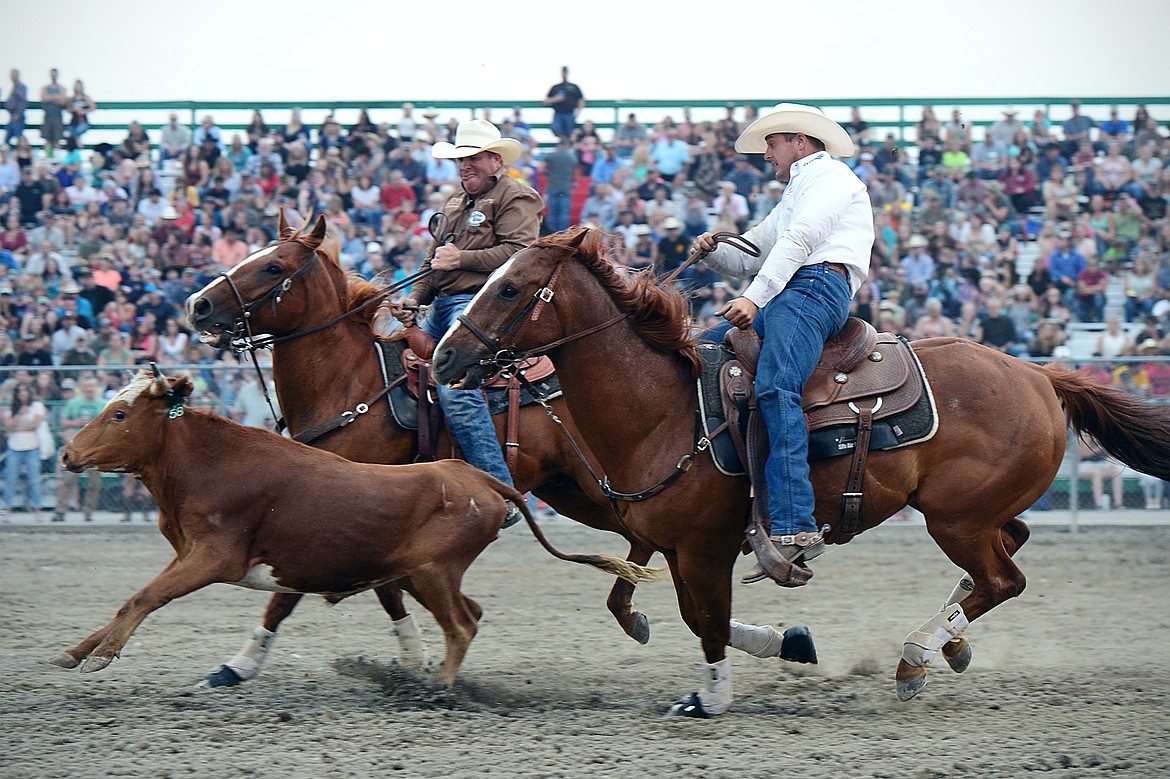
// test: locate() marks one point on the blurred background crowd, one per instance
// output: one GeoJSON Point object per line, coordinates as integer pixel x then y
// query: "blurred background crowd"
{"type": "Point", "coordinates": [1041, 237]}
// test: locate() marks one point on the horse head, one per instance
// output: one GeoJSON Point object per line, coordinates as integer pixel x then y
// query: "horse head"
{"type": "Point", "coordinates": [126, 434]}
{"type": "Point", "coordinates": [516, 312]}
{"type": "Point", "coordinates": [262, 294]}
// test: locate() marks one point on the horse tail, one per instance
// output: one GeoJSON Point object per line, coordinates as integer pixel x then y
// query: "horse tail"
{"type": "Point", "coordinates": [624, 569]}
{"type": "Point", "coordinates": [1129, 429]}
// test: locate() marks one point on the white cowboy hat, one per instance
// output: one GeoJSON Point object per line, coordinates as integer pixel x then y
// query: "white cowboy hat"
{"type": "Point", "coordinates": [796, 118]}
{"type": "Point", "coordinates": [917, 241]}
{"type": "Point", "coordinates": [478, 135]}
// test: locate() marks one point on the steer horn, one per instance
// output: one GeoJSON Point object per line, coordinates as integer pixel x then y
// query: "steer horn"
{"type": "Point", "coordinates": [160, 386]}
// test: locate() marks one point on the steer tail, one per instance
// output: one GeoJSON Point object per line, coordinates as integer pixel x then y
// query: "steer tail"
{"type": "Point", "coordinates": [1129, 429]}
{"type": "Point", "coordinates": [624, 569]}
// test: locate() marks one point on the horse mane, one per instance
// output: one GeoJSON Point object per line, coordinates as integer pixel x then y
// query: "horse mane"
{"type": "Point", "coordinates": [660, 314]}
{"type": "Point", "coordinates": [357, 290]}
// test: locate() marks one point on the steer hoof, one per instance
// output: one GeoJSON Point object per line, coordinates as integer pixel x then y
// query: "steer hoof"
{"type": "Point", "coordinates": [64, 660]}
{"type": "Point", "coordinates": [221, 677]}
{"type": "Point", "coordinates": [798, 646]}
{"type": "Point", "coordinates": [641, 632]}
{"type": "Point", "coordinates": [94, 663]}
{"type": "Point", "coordinates": [910, 680]}
{"type": "Point", "coordinates": [958, 654]}
{"type": "Point", "coordinates": [690, 706]}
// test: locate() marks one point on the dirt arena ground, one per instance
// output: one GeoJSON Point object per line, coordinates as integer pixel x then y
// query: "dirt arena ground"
{"type": "Point", "coordinates": [1071, 679]}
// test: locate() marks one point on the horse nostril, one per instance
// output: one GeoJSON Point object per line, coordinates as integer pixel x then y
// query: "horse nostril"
{"type": "Point", "coordinates": [202, 308]}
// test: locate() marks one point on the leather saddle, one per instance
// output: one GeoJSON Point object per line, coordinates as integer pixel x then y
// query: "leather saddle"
{"type": "Point", "coordinates": [862, 376]}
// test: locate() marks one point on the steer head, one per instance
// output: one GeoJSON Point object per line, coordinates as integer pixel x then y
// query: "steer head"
{"type": "Point", "coordinates": [128, 433]}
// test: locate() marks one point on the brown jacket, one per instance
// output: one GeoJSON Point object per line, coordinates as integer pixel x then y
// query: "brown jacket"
{"type": "Point", "coordinates": [488, 230]}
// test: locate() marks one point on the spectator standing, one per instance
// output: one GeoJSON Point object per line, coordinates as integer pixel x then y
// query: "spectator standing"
{"type": "Point", "coordinates": [566, 99]}
{"type": "Point", "coordinates": [53, 102]}
{"type": "Point", "coordinates": [75, 414]}
{"type": "Point", "coordinates": [16, 104]}
{"type": "Point", "coordinates": [21, 420]}
{"type": "Point", "coordinates": [560, 169]}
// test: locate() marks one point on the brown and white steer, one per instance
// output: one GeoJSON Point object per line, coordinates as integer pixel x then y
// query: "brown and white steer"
{"type": "Point", "coordinates": [244, 506]}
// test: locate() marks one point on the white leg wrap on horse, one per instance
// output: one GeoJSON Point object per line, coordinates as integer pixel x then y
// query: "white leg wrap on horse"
{"type": "Point", "coordinates": [962, 590]}
{"type": "Point", "coordinates": [716, 692]}
{"type": "Point", "coordinates": [253, 655]}
{"type": "Point", "coordinates": [412, 653]}
{"type": "Point", "coordinates": [923, 644]}
{"type": "Point", "coordinates": [756, 640]}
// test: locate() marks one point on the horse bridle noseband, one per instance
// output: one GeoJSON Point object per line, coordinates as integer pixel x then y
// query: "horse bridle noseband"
{"type": "Point", "coordinates": [274, 293]}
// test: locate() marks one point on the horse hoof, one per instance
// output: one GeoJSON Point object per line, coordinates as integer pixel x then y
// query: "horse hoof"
{"type": "Point", "coordinates": [221, 677]}
{"type": "Point", "coordinates": [94, 663]}
{"type": "Point", "coordinates": [910, 680]}
{"type": "Point", "coordinates": [798, 646]}
{"type": "Point", "coordinates": [690, 706]}
{"type": "Point", "coordinates": [641, 631]}
{"type": "Point", "coordinates": [64, 660]}
{"type": "Point", "coordinates": [958, 658]}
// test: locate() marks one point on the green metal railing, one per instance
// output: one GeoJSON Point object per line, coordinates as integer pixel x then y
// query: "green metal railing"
{"type": "Point", "coordinates": [887, 115]}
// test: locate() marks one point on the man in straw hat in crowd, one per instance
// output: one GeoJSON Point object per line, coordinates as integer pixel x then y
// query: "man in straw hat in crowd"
{"type": "Point", "coordinates": [814, 255]}
{"type": "Point", "coordinates": [491, 218]}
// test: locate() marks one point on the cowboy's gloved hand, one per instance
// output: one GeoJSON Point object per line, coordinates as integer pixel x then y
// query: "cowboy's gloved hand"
{"type": "Point", "coordinates": [740, 312]}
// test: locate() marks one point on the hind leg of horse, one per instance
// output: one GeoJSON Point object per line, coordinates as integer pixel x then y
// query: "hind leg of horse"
{"type": "Point", "coordinates": [412, 653]}
{"type": "Point", "coordinates": [621, 600]}
{"type": "Point", "coordinates": [451, 609]}
{"type": "Point", "coordinates": [703, 588]}
{"type": "Point", "coordinates": [957, 652]}
{"type": "Point", "coordinates": [993, 578]}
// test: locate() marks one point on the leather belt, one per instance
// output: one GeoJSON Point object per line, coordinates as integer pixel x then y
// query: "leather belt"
{"type": "Point", "coordinates": [837, 267]}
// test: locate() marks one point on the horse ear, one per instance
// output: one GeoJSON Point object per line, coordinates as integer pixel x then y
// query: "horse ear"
{"type": "Point", "coordinates": [183, 387]}
{"type": "Point", "coordinates": [578, 239]}
{"type": "Point", "coordinates": [283, 230]}
{"type": "Point", "coordinates": [314, 239]}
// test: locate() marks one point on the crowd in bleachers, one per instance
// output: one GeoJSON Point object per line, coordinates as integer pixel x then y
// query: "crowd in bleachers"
{"type": "Point", "coordinates": [1009, 233]}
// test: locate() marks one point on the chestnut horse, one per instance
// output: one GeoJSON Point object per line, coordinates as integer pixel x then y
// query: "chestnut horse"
{"type": "Point", "coordinates": [626, 359]}
{"type": "Point", "coordinates": [324, 363]}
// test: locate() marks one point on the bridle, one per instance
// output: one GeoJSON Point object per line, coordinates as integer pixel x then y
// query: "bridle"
{"type": "Point", "coordinates": [504, 355]}
{"type": "Point", "coordinates": [242, 327]}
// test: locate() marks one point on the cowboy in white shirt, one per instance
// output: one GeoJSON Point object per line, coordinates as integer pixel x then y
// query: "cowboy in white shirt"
{"type": "Point", "coordinates": [814, 256]}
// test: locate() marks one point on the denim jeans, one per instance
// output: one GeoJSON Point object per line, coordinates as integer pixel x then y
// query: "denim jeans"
{"type": "Point", "coordinates": [560, 205]}
{"type": "Point", "coordinates": [794, 327]}
{"type": "Point", "coordinates": [30, 462]}
{"type": "Point", "coordinates": [466, 410]}
{"type": "Point", "coordinates": [564, 124]}
{"type": "Point", "coordinates": [14, 131]}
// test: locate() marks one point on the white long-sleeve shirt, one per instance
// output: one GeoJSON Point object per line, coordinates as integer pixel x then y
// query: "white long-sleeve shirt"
{"type": "Point", "coordinates": [824, 215]}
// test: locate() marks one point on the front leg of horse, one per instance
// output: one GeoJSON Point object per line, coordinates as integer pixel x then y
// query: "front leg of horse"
{"type": "Point", "coordinates": [249, 661]}
{"type": "Point", "coordinates": [704, 598]}
{"type": "Point", "coordinates": [621, 600]}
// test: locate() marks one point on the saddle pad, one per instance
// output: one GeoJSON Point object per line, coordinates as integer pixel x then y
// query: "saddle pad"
{"type": "Point", "coordinates": [912, 426]}
{"type": "Point", "coordinates": [711, 410]}
{"type": "Point", "coordinates": [404, 405]}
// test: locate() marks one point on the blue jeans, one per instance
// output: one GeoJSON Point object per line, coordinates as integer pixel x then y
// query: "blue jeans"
{"type": "Point", "coordinates": [564, 124]}
{"type": "Point", "coordinates": [466, 410]}
{"type": "Point", "coordinates": [28, 461]}
{"type": "Point", "coordinates": [794, 327]}
{"type": "Point", "coordinates": [560, 205]}
{"type": "Point", "coordinates": [14, 131]}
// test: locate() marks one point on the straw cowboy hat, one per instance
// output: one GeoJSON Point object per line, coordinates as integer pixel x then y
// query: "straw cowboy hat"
{"type": "Point", "coordinates": [478, 135]}
{"type": "Point", "coordinates": [796, 118]}
{"type": "Point", "coordinates": [917, 241]}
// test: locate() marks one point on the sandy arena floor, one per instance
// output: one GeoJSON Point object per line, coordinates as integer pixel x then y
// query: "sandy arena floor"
{"type": "Point", "coordinates": [1071, 679]}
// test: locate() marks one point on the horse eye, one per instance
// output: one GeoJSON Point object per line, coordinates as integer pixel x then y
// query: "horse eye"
{"type": "Point", "coordinates": [274, 270]}
{"type": "Point", "coordinates": [119, 415]}
{"type": "Point", "coordinates": [508, 292]}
